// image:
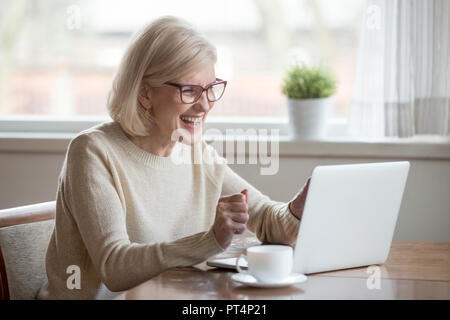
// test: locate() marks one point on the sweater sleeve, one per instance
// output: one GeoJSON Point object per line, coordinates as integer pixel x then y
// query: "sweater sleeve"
{"type": "Point", "coordinates": [271, 221]}
{"type": "Point", "coordinates": [100, 214]}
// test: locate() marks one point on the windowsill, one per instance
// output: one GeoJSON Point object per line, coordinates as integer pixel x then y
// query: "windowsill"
{"type": "Point", "coordinates": [53, 134]}
{"type": "Point", "coordinates": [420, 147]}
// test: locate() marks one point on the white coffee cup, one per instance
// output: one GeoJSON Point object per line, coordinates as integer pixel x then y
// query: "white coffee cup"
{"type": "Point", "coordinates": [268, 263]}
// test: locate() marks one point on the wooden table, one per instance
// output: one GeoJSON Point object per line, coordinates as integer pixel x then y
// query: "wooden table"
{"type": "Point", "coordinates": [414, 270]}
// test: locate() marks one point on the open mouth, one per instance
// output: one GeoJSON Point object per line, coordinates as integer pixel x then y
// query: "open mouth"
{"type": "Point", "coordinates": [191, 122]}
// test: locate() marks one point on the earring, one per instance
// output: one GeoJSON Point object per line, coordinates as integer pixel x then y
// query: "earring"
{"type": "Point", "coordinates": [147, 114]}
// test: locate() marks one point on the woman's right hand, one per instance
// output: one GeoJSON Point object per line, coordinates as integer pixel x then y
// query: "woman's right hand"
{"type": "Point", "coordinates": [231, 217]}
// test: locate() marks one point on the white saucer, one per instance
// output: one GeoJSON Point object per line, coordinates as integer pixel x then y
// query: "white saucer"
{"type": "Point", "coordinates": [251, 281]}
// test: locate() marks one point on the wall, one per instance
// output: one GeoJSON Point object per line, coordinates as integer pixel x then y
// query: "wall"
{"type": "Point", "coordinates": [28, 178]}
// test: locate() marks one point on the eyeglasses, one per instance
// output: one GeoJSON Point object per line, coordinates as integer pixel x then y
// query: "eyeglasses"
{"type": "Point", "coordinates": [190, 93]}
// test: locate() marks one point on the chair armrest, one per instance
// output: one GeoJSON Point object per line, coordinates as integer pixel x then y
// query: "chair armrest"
{"type": "Point", "coordinates": [21, 215]}
{"type": "Point", "coordinates": [26, 214]}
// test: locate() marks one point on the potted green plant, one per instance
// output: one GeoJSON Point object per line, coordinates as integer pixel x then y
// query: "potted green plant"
{"type": "Point", "coordinates": [309, 91]}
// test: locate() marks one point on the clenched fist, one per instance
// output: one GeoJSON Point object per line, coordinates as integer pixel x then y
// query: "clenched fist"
{"type": "Point", "coordinates": [231, 217]}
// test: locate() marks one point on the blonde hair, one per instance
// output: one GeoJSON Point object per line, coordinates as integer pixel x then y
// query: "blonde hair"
{"type": "Point", "coordinates": [165, 50]}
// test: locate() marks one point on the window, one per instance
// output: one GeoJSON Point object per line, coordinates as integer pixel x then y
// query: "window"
{"type": "Point", "coordinates": [58, 57]}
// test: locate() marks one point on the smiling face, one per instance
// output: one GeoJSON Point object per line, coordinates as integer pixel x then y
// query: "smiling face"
{"type": "Point", "coordinates": [170, 113]}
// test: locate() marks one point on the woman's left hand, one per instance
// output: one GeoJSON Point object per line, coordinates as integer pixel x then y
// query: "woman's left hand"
{"type": "Point", "coordinates": [297, 204]}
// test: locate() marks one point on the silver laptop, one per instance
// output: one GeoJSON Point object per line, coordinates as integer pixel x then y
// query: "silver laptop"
{"type": "Point", "coordinates": [349, 217]}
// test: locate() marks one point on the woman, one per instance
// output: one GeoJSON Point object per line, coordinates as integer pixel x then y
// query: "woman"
{"type": "Point", "coordinates": [125, 211]}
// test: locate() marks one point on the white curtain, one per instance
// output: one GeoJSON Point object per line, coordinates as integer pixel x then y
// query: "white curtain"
{"type": "Point", "coordinates": [403, 70]}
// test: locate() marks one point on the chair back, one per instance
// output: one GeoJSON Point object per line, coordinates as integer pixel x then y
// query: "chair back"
{"type": "Point", "coordinates": [24, 237]}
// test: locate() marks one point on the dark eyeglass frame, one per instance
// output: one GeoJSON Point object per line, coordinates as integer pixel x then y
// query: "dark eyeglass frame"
{"type": "Point", "coordinates": [181, 86]}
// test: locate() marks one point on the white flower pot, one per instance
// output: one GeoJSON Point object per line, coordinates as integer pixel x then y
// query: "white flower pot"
{"type": "Point", "coordinates": [308, 118]}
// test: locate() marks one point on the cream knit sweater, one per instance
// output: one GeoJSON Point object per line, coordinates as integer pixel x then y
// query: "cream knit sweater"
{"type": "Point", "coordinates": [124, 215]}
